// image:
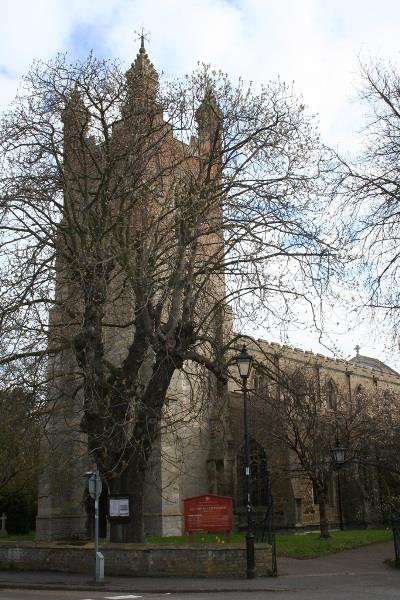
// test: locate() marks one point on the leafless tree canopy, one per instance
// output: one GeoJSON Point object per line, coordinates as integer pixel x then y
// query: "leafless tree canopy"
{"type": "Point", "coordinates": [133, 214]}
{"type": "Point", "coordinates": [370, 189]}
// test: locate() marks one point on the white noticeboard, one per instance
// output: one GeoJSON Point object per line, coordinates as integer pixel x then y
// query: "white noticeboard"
{"type": "Point", "coordinates": [119, 507]}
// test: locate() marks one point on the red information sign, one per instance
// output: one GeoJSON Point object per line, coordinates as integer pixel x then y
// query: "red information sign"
{"type": "Point", "coordinates": [208, 513]}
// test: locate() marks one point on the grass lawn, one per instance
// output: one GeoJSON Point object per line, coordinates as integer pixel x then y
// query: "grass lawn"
{"type": "Point", "coordinates": [296, 546]}
{"type": "Point", "coordinates": [25, 537]}
{"type": "Point", "coordinates": [306, 545]}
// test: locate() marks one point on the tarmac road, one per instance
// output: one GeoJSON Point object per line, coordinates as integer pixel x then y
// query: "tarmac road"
{"type": "Point", "coordinates": [351, 590]}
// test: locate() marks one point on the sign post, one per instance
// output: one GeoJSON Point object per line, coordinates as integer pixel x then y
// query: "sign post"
{"type": "Point", "coordinates": [95, 487]}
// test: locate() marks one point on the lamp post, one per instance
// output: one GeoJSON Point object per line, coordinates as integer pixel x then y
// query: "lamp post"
{"type": "Point", "coordinates": [339, 458]}
{"type": "Point", "coordinates": [339, 455]}
{"type": "Point", "coordinates": [244, 363]}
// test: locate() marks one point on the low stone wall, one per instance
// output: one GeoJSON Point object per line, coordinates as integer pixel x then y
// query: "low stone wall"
{"type": "Point", "coordinates": [137, 560]}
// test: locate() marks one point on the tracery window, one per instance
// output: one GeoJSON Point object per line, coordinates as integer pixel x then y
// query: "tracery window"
{"type": "Point", "coordinates": [359, 397]}
{"type": "Point", "coordinates": [258, 476]}
{"type": "Point", "coordinates": [331, 395]}
{"type": "Point", "coordinates": [260, 384]}
{"type": "Point", "coordinates": [299, 385]}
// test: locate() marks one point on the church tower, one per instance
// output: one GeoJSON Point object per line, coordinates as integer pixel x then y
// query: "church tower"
{"type": "Point", "coordinates": [167, 172]}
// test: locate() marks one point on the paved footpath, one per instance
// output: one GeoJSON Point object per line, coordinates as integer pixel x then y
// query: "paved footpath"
{"type": "Point", "coordinates": [362, 565]}
{"type": "Point", "coordinates": [364, 560]}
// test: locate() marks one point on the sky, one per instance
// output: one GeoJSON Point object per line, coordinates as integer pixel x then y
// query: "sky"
{"type": "Point", "coordinates": [317, 44]}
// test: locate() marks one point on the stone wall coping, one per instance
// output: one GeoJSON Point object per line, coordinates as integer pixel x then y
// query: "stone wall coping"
{"type": "Point", "coordinates": [128, 546]}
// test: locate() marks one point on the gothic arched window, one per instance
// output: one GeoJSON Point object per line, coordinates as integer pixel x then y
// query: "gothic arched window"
{"type": "Point", "coordinates": [260, 384]}
{"type": "Point", "coordinates": [299, 385]}
{"type": "Point", "coordinates": [331, 395]}
{"type": "Point", "coordinates": [258, 475]}
{"type": "Point", "coordinates": [359, 397]}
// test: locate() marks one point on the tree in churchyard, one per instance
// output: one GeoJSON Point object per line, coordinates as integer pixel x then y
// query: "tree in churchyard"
{"type": "Point", "coordinates": [372, 425]}
{"type": "Point", "coordinates": [20, 430]}
{"type": "Point", "coordinates": [133, 214]}
{"type": "Point", "coordinates": [19, 441]}
{"type": "Point", "coordinates": [311, 417]}
{"type": "Point", "coordinates": [379, 450]}
{"type": "Point", "coordinates": [369, 187]}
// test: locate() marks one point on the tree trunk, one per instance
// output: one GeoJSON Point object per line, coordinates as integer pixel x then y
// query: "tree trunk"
{"type": "Point", "coordinates": [129, 483]}
{"type": "Point", "coordinates": [323, 520]}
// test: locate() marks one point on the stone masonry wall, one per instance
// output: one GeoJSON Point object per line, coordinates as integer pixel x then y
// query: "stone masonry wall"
{"type": "Point", "coordinates": [201, 560]}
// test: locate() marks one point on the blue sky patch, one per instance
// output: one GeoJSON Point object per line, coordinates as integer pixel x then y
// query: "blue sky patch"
{"type": "Point", "coordinates": [85, 37]}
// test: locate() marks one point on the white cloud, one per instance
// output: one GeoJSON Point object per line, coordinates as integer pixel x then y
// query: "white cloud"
{"type": "Point", "coordinates": [31, 30]}
{"type": "Point", "coordinates": [316, 43]}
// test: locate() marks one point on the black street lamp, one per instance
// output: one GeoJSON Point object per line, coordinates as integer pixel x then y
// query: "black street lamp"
{"type": "Point", "coordinates": [339, 458]}
{"type": "Point", "coordinates": [244, 363]}
{"type": "Point", "coordinates": [339, 455]}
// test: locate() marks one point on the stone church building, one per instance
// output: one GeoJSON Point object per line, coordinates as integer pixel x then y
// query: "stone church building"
{"type": "Point", "coordinates": [355, 497]}
{"type": "Point", "coordinates": [197, 456]}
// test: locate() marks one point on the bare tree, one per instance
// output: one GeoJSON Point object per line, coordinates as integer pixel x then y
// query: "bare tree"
{"type": "Point", "coordinates": [378, 453]}
{"type": "Point", "coordinates": [20, 429]}
{"type": "Point", "coordinates": [133, 214]}
{"type": "Point", "coordinates": [369, 186]}
{"type": "Point", "coordinates": [310, 419]}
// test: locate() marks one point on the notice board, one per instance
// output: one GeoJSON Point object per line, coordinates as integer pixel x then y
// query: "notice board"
{"type": "Point", "coordinates": [208, 513]}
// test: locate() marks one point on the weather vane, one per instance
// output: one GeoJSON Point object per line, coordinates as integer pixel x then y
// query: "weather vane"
{"type": "Point", "coordinates": [142, 36]}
